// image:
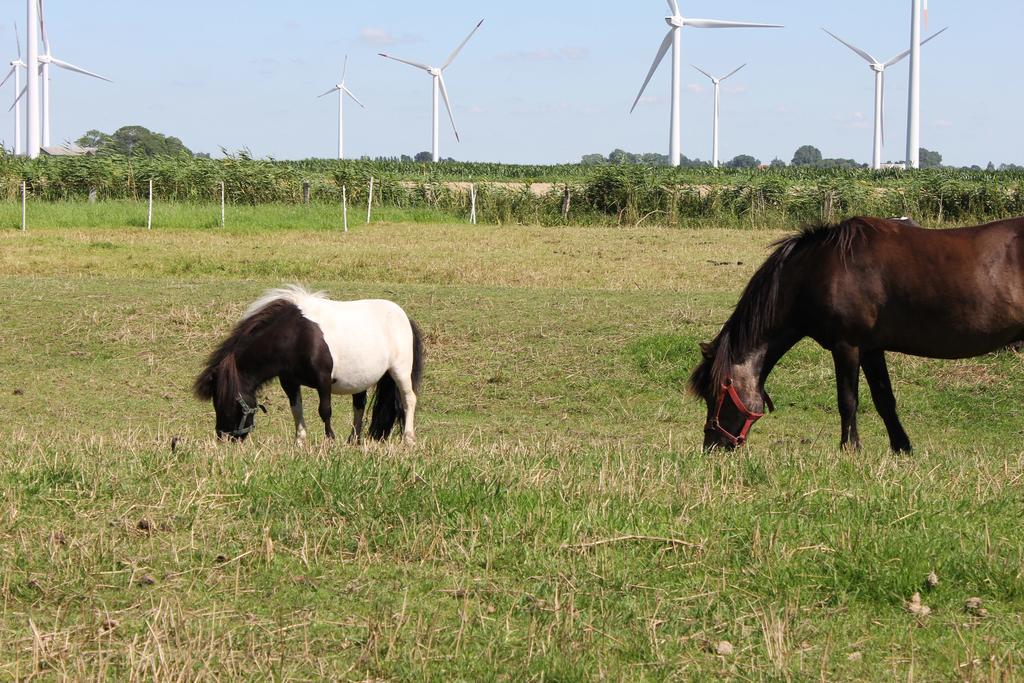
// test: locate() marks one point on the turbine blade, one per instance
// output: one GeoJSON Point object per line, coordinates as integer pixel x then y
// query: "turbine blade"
{"type": "Point", "coordinates": [17, 38]}
{"type": "Point", "coordinates": [662, 51]}
{"type": "Point", "coordinates": [868, 58]}
{"type": "Point", "coordinates": [903, 55]}
{"type": "Point", "coordinates": [448, 106]}
{"type": "Point", "coordinates": [344, 69]}
{"type": "Point", "coordinates": [733, 72]}
{"type": "Point", "coordinates": [18, 98]}
{"type": "Point", "coordinates": [453, 55]}
{"type": "Point", "coordinates": [406, 61]}
{"type": "Point", "coordinates": [8, 76]}
{"type": "Point", "coordinates": [349, 93]}
{"type": "Point", "coordinates": [77, 69]}
{"type": "Point", "coordinates": [703, 71]}
{"type": "Point", "coordinates": [715, 23]}
{"type": "Point", "coordinates": [334, 89]}
{"type": "Point", "coordinates": [42, 28]}
{"type": "Point", "coordinates": [673, 7]}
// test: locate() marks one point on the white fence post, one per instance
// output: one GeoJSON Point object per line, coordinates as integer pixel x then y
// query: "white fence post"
{"type": "Point", "coordinates": [24, 202]}
{"type": "Point", "coordinates": [369, 203]}
{"type": "Point", "coordinates": [472, 204]}
{"type": "Point", "coordinates": [344, 207]}
{"type": "Point", "coordinates": [222, 223]}
{"type": "Point", "coordinates": [149, 215]}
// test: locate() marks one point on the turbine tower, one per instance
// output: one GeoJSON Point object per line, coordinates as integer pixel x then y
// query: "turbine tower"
{"type": "Point", "coordinates": [676, 22]}
{"type": "Point", "coordinates": [914, 106]}
{"type": "Point", "coordinates": [32, 85]}
{"type": "Point", "coordinates": [342, 91]}
{"type": "Point", "coordinates": [45, 60]}
{"type": "Point", "coordinates": [718, 99]}
{"type": "Point", "coordinates": [879, 69]}
{"type": "Point", "coordinates": [16, 64]}
{"type": "Point", "coordinates": [437, 73]}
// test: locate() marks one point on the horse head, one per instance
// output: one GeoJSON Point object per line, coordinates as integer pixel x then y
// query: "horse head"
{"type": "Point", "coordinates": [235, 405]}
{"type": "Point", "coordinates": [734, 394]}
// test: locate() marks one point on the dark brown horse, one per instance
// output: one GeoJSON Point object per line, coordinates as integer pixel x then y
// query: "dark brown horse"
{"type": "Point", "coordinates": [860, 289]}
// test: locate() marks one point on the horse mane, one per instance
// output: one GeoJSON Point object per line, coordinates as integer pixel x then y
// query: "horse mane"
{"type": "Point", "coordinates": [757, 311]}
{"type": "Point", "coordinates": [220, 376]}
{"type": "Point", "coordinates": [293, 293]}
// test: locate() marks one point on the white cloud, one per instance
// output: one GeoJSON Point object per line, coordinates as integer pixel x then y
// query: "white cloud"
{"type": "Point", "coordinates": [547, 54]}
{"type": "Point", "coordinates": [384, 38]}
{"type": "Point", "coordinates": [695, 88]}
{"type": "Point", "coordinates": [855, 120]}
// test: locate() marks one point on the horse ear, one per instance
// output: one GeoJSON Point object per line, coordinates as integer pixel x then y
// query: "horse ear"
{"type": "Point", "coordinates": [768, 401]}
{"type": "Point", "coordinates": [205, 385]}
{"type": "Point", "coordinates": [706, 351]}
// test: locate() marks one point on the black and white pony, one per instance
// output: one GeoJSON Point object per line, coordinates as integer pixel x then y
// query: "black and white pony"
{"type": "Point", "coordinates": [335, 347]}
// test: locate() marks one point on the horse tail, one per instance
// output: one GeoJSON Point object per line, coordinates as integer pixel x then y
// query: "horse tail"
{"type": "Point", "coordinates": [417, 356]}
{"type": "Point", "coordinates": [387, 410]}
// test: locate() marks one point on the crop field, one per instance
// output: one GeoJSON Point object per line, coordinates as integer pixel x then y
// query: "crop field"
{"type": "Point", "coordinates": [558, 519]}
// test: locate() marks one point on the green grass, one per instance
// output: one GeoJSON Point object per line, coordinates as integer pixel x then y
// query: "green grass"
{"type": "Point", "coordinates": [558, 519]}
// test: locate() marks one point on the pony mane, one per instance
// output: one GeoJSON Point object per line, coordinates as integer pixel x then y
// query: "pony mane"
{"type": "Point", "coordinates": [293, 293]}
{"type": "Point", "coordinates": [757, 311]}
{"type": "Point", "coordinates": [220, 377]}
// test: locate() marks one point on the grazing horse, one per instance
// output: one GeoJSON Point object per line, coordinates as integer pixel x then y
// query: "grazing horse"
{"type": "Point", "coordinates": [860, 289]}
{"type": "Point", "coordinates": [335, 347]}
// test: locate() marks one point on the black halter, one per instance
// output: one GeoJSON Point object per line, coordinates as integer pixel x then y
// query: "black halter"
{"type": "Point", "coordinates": [246, 412]}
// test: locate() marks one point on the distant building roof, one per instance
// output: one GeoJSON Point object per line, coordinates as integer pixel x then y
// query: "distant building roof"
{"type": "Point", "coordinates": [68, 149]}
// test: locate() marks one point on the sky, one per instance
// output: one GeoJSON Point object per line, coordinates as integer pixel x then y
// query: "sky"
{"type": "Point", "coordinates": [542, 82]}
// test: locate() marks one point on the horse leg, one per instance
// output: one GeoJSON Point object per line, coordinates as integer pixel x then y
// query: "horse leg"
{"type": "Point", "coordinates": [847, 362]}
{"type": "Point", "coordinates": [294, 393]}
{"type": "Point", "coordinates": [877, 374]}
{"type": "Point", "coordinates": [358, 409]}
{"type": "Point", "coordinates": [325, 409]}
{"type": "Point", "coordinates": [408, 398]}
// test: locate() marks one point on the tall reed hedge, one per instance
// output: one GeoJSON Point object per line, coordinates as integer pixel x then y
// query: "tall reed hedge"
{"type": "Point", "coordinates": [533, 194]}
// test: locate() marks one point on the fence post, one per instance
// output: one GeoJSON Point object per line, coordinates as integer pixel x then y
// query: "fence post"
{"type": "Point", "coordinates": [344, 207]}
{"type": "Point", "coordinates": [222, 216]}
{"type": "Point", "coordinates": [566, 200]}
{"type": "Point", "coordinates": [92, 195]}
{"type": "Point", "coordinates": [149, 215]}
{"type": "Point", "coordinates": [472, 204]}
{"type": "Point", "coordinates": [305, 192]}
{"type": "Point", "coordinates": [24, 201]}
{"type": "Point", "coordinates": [369, 203]}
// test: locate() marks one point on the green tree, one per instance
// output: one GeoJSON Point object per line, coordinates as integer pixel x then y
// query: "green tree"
{"type": "Point", "coordinates": [743, 161]}
{"type": "Point", "coordinates": [594, 160]}
{"type": "Point", "coordinates": [930, 159]}
{"type": "Point", "coordinates": [424, 157]}
{"type": "Point", "coordinates": [808, 155]}
{"type": "Point", "coordinates": [130, 140]}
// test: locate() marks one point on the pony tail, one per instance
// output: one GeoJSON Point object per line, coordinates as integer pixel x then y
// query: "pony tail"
{"type": "Point", "coordinates": [417, 356]}
{"type": "Point", "coordinates": [387, 409]}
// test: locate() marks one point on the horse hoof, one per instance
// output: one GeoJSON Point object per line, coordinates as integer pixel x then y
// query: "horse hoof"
{"type": "Point", "coordinates": [409, 441]}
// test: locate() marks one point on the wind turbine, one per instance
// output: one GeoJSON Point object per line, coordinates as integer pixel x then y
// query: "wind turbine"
{"type": "Point", "coordinates": [718, 93]}
{"type": "Point", "coordinates": [676, 22]}
{"type": "Point", "coordinates": [16, 64]}
{"type": "Point", "coordinates": [879, 69]}
{"type": "Point", "coordinates": [342, 91]}
{"type": "Point", "coordinates": [439, 88]}
{"type": "Point", "coordinates": [45, 60]}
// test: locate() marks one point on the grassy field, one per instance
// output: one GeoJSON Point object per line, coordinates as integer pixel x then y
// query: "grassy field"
{"type": "Point", "coordinates": [558, 520]}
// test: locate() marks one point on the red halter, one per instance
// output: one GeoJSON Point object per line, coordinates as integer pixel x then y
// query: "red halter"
{"type": "Point", "coordinates": [750, 417]}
